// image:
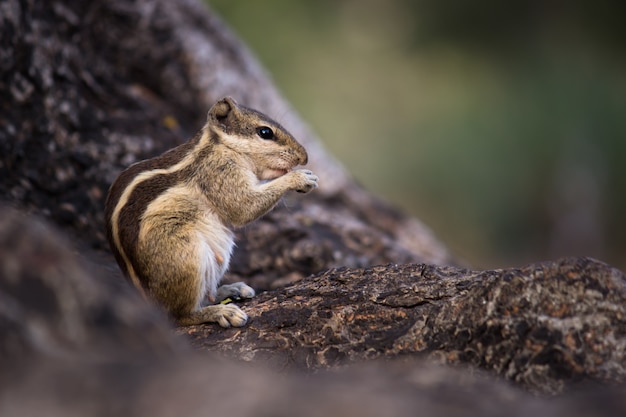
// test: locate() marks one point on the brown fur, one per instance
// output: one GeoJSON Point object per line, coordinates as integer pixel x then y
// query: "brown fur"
{"type": "Point", "coordinates": [169, 218]}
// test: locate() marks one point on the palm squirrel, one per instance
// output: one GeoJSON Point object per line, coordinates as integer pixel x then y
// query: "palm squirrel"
{"type": "Point", "coordinates": [169, 219]}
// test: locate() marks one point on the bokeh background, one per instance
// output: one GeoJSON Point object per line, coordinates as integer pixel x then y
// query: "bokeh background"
{"type": "Point", "coordinates": [500, 124]}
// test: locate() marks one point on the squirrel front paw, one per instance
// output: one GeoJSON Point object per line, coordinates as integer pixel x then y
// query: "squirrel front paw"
{"type": "Point", "coordinates": [306, 180]}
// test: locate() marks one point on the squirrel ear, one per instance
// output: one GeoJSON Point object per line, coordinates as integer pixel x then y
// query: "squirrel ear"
{"type": "Point", "coordinates": [222, 109]}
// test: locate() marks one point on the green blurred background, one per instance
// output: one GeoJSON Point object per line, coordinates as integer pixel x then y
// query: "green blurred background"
{"type": "Point", "coordinates": [500, 124]}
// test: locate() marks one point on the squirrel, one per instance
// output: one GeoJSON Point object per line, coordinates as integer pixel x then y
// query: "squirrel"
{"type": "Point", "coordinates": [170, 219]}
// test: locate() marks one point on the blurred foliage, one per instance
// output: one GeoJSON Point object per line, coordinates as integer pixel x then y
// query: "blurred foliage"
{"type": "Point", "coordinates": [502, 125]}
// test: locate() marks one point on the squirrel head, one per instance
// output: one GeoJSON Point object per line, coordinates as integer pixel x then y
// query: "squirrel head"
{"type": "Point", "coordinates": [272, 150]}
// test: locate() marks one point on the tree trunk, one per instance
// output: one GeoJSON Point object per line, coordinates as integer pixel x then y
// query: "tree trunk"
{"type": "Point", "coordinates": [542, 326]}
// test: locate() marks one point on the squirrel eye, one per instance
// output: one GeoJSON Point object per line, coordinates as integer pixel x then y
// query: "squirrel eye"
{"type": "Point", "coordinates": [265, 132]}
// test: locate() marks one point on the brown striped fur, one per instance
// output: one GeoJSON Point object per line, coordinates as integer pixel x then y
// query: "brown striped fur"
{"type": "Point", "coordinates": [169, 218]}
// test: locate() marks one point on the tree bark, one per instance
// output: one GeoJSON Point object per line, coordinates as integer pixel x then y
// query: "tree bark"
{"type": "Point", "coordinates": [542, 326]}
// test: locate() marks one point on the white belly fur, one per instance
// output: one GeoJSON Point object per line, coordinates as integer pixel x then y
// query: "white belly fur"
{"type": "Point", "coordinates": [215, 249]}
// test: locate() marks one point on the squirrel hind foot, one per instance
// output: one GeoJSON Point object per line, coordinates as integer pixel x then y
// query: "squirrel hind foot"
{"type": "Point", "coordinates": [236, 291]}
{"type": "Point", "coordinates": [226, 315]}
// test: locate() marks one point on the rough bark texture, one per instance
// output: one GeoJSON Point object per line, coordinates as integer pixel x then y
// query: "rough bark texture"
{"type": "Point", "coordinates": [87, 88]}
{"type": "Point", "coordinates": [541, 326]}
